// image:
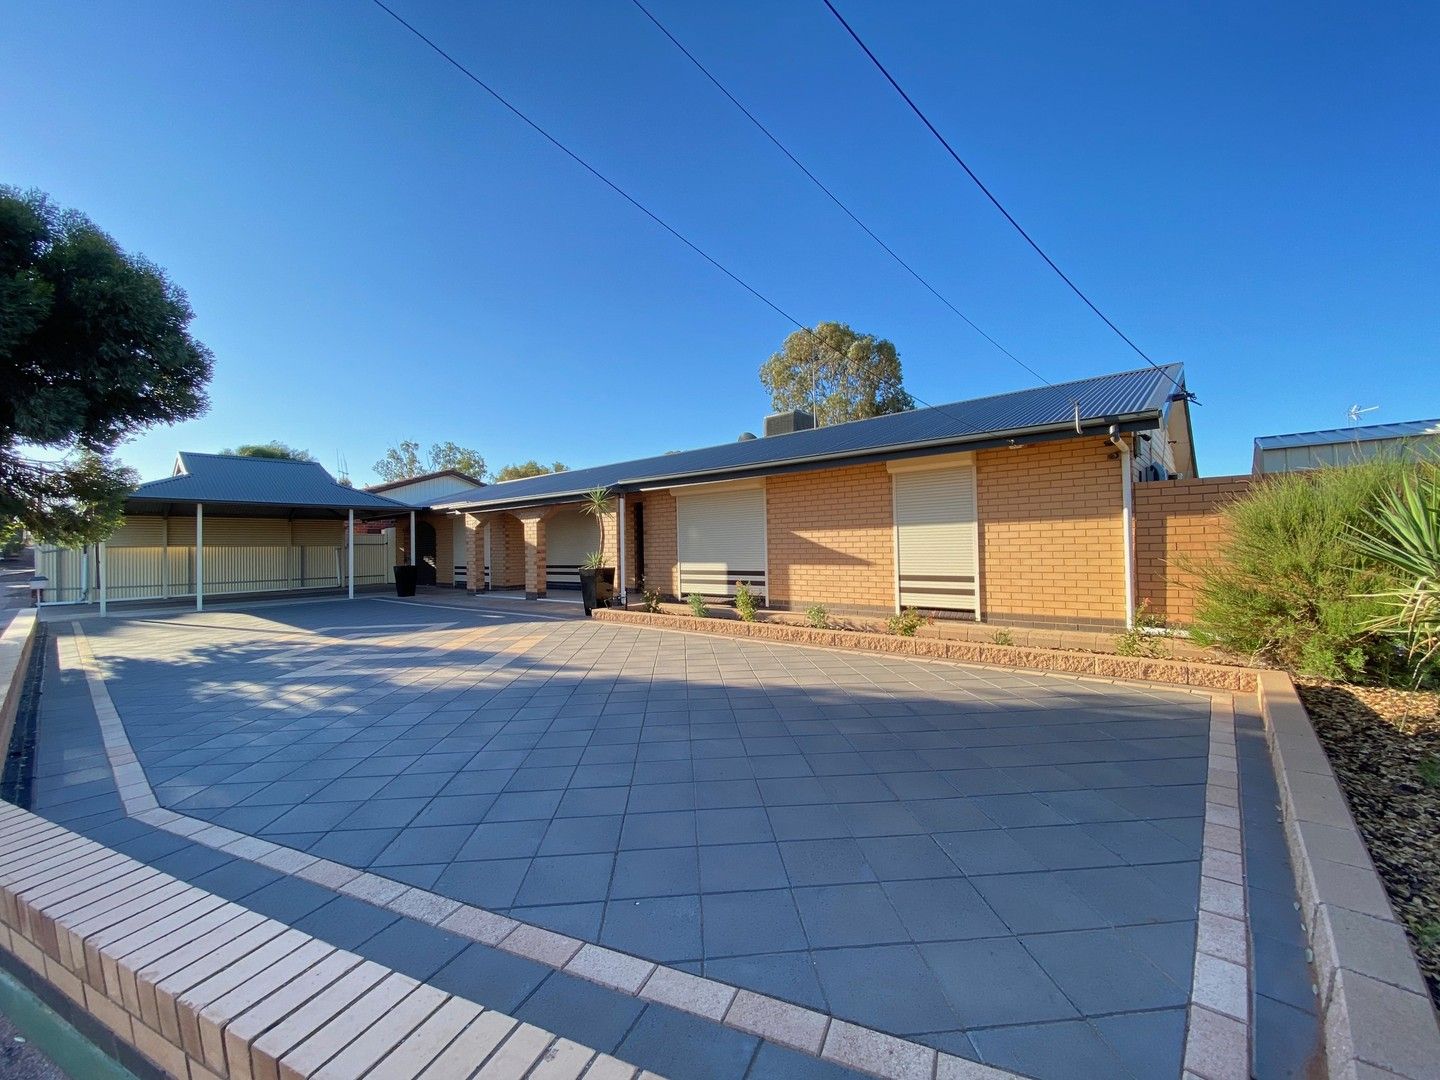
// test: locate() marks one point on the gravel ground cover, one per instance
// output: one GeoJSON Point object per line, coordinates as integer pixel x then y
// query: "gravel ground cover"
{"type": "Point", "coordinates": [1385, 747]}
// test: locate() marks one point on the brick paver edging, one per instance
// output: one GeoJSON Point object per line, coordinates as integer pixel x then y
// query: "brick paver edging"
{"type": "Point", "coordinates": [15, 645]}
{"type": "Point", "coordinates": [1102, 665]}
{"type": "Point", "coordinates": [1377, 1015]}
{"type": "Point", "coordinates": [204, 988]}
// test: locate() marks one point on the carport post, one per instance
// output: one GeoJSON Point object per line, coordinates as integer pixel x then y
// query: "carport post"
{"type": "Point", "coordinates": [101, 572]}
{"type": "Point", "coordinates": [199, 556]}
{"type": "Point", "coordinates": [350, 555]}
{"type": "Point", "coordinates": [620, 557]}
{"type": "Point", "coordinates": [412, 537]}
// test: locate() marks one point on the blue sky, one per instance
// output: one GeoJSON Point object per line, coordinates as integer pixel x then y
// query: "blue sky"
{"type": "Point", "coordinates": [377, 251]}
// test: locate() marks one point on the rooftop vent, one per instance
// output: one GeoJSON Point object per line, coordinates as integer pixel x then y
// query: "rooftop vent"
{"type": "Point", "coordinates": [784, 423]}
{"type": "Point", "coordinates": [746, 436]}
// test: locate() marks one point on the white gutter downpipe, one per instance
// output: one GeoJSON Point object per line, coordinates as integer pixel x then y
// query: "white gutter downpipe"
{"type": "Point", "coordinates": [199, 556]}
{"type": "Point", "coordinates": [620, 556]}
{"type": "Point", "coordinates": [350, 555]}
{"type": "Point", "coordinates": [1127, 522]}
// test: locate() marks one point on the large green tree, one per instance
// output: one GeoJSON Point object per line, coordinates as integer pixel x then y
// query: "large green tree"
{"type": "Point", "coordinates": [274, 449]}
{"type": "Point", "coordinates": [94, 348]}
{"type": "Point", "coordinates": [836, 373]}
{"type": "Point", "coordinates": [532, 467]}
{"type": "Point", "coordinates": [404, 460]}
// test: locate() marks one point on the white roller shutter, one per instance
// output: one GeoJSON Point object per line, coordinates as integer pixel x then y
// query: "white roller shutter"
{"type": "Point", "coordinates": [570, 536]}
{"type": "Point", "coordinates": [937, 539]}
{"type": "Point", "coordinates": [721, 540]}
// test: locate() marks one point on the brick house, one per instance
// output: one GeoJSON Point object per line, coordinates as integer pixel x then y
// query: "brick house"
{"type": "Point", "coordinates": [439, 537]}
{"type": "Point", "coordinates": [1014, 509]}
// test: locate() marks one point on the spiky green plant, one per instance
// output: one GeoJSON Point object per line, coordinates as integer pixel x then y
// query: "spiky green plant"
{"type": "Point", "coordinates": [1403, 535]}
{"type": "Point", "coordinates": [597, 503]}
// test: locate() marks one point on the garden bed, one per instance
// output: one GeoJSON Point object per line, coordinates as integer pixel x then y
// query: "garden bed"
{"type": "Point", "coordinates": [1067, 661]}
{"type": "Point", "coordinates": [1385, 748]}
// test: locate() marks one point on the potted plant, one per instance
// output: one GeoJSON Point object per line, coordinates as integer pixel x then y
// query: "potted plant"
{"type": "Point", "coordinates": [598, 504]}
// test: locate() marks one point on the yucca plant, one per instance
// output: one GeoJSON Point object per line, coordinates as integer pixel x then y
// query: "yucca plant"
{"type": "Point", "coordinates": [1404, 537]}
{"type": "Point", "coordinates": [597, 503]}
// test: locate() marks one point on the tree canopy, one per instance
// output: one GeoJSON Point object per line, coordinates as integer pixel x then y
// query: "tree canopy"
{"type": "Point", "coordinates": [404, 461]}
{"type": "Point", "coordinates": [273, 449]}
{"type": "Point", "coordinates": [94, 348]}
{"type": "Point", "coordinates": [532, 467]}
{"type": "Point", "coordinates": [844, 375]}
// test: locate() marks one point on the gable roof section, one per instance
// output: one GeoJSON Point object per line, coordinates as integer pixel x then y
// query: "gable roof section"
{"type": "Point", "coordinates": [389, 484]}
{"type": "Point", "coordinates": [236, 480]}
{"type": "Point", "coordinates": [1139, 398]}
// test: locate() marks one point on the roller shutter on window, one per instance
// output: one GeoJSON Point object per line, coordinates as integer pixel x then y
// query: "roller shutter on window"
{"type": "Point", "coordinates": [570, 536]}
{"type": "Point", "coordinates": [721, 540]}
{"type": "Point", "coordinates": [937, 539]}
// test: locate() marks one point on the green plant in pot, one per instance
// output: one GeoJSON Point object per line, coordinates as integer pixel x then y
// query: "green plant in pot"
{"type": "Point", "coordinates": [597, 580]}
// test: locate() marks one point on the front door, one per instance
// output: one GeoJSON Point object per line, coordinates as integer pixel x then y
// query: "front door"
{"type": "Point", "coordinates": [424, 553]}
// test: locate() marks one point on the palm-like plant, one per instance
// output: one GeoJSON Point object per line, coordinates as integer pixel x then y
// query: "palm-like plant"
{"type": "Point", "coordinates": [1406, 540]}
{"type": "Point", "coordinates": [597, 503]}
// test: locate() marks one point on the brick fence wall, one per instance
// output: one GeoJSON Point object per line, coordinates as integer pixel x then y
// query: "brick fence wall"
{"type": "Point", "coordinates": [1177, 520]}
{"type": "Point", "coordinates": [830, 539]}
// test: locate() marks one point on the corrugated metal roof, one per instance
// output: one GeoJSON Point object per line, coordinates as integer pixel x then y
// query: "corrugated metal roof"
{"type": "Point", "coordinates": [1331, 436]}
{"type": "Point", "coordinates": [1104, 399]}
{"type": "Point", "coordinates": [238, 480]}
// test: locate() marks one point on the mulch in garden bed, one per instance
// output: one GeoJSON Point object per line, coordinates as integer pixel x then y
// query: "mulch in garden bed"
{"type": "Point", "coordinates": [1385, 748]}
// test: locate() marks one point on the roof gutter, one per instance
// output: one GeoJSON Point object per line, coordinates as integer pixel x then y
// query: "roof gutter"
{"type": "Point", "coordinates": [991, 440]}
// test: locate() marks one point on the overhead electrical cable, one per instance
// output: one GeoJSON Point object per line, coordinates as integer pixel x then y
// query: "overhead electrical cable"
{"type": "Point", "coordinates": [830, 194]}
{"type": "Point", "coordinates": [990, 195]}
{"type": "Point", "coordinates": [613, 186]}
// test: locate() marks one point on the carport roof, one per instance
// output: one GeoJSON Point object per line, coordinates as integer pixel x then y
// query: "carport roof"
{"type": "Point", "coordinates": [1135, 400]}
{"type": "Point", "coordinates": [233, 480]}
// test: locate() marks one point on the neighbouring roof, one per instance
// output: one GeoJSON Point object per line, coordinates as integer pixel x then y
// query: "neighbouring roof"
{"type": "Point", "coordinates": [422, 478]}
{"type": "Point", "coordinates": [236, 480]}
{"type": "Point", "coordinates": [1332, 436]}
{"type": "Point", "coordinates": [1139, 399]}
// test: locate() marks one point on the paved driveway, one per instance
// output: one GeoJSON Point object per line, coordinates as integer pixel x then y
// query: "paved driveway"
{"type": "Point", "coordinates": [1002, 865]}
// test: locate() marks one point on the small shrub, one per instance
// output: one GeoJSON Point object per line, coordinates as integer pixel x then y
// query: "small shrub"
{"type": "Point", "coordinates": [649, 599]}
{"type": "Point", "coordinates": [1004, 637]}
{"type": "Point", "coordinates": [1142, 638]}
{"type": "Point", "coordinates": [697, 605]}
{"type": "Point", "coordinates": [595, 560]}
{"type": "Point", "coordinates": [1429, 770]}
{"type": "Point", "coordinates": [745, 601]}
{"type": "Point", "coordinates": [1288, 586]}
{"type": "Point", "coordinates": [818, 617]}
{"type": "Point", "coordinates": [905, 624]}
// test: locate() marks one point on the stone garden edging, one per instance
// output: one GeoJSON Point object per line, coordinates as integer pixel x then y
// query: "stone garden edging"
{"type": "Point", "coordinates": [1175, 672]}
{"type": "Point", "coordinates": [15, 645]}
{"type": "Point", "coordinates": [1375, 1010]}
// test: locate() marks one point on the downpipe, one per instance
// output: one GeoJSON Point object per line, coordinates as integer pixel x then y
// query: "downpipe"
{"type": "Point", "coordinates": [1127, 520]}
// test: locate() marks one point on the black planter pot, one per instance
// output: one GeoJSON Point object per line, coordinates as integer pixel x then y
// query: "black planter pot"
{"type": "Point", "coordinates": [405, 577]}
{"type": "Point", "coordinates": [588, 581]}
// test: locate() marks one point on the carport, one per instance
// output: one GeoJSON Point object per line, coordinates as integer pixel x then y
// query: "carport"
{"type": "Point", "coordinates": [265, 522]}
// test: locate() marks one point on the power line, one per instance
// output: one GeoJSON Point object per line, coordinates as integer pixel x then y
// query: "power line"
{"type": "Point", "coordinates": [613, 186]}
{"type": "Point", "coordinates": [830, 194]}
{"type": "Point", "coordinates": [990, 195]}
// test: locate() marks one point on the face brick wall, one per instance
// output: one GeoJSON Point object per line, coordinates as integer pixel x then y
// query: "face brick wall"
{"type": "Point", "coordinates": [507, 552]}
{"type": "Point", "coordinates": [1176, 520]}
{"type": "Point", "coordinates": [1050, 544]}
{"type": "Point", "coordinates": [662, 557]}
{"type": "Point", "coordinates": [830, 540]}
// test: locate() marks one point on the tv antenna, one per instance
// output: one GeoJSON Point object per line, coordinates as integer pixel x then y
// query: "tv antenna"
{"type": "Point", "coordinates": [1357, 411]}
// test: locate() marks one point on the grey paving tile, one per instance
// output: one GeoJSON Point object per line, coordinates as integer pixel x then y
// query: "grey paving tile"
{"type": "Point", "coordinates": [777, 1063]}
{"type": "Point", "coordinates": [1038, 903]}
{"type": "Point", "coordinates": [839, 915]}
{"type": "Point", "coordinates": [489, 883]}
{"type": "Point", "coordinates": [655, 872]}
{"type": "Point", "coordinates": [581, 835]}
{"type": "Point", "coordinates": [504, 840]}
{"type": "Point", "coordinates": [1100, 972]}
{"type": "Point", "coordinates": [741, 923]}
{"type": "Point", "coordinates": [825, 862]}
{"type": "Point", "coordinates": [739, 825]}
{"type": "Point", "coordinates": [663, 929]}
{"type": "Point", "coordinates": [595, 1016]}
{"type": "Point", "coordinates": [807, 822]}
{"type": "Point", "coordinates": [668, 1042]}
{"type": "Point", "coordinates": [498, 980]}
{"type": "Point", "coordinates": [740, 867]}
{"type": "Point", "coordinates": [1149, 1043]}
{"type": "Point", "coordinates": [674, 828]}
{"type": "Point", "coordinates": [888, 986]}
{"type": "Point", "coordinates": [413, 948]}
{"type": "Point", "coordinates": [559, 879]}
{"type": "Point", "coordinates": [434, 843]}
{"type": "Point", "coordinates": [995, 981]}
{"type": "Point", "coordinates": [580, 921]}
{"type": "Point", "coordinates": [945, 909]}
{"type": "Point", "coordinates": [1057, 1051]}
{"type": "Point", "coordinates": [358, 848]}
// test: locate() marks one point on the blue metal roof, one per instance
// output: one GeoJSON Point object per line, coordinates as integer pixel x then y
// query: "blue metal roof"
{"type": "Point", "coordinates": [1126, 396]}
{"type": "Point", "coordinates": [1333, 436]}
{"type": "Point", "coordinates": [237, 480]}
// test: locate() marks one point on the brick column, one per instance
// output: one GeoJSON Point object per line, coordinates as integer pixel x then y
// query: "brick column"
{"type": "Point", "coordinates": [474, 553]}
{"type": "Point", "coordinates": [532, 523]}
